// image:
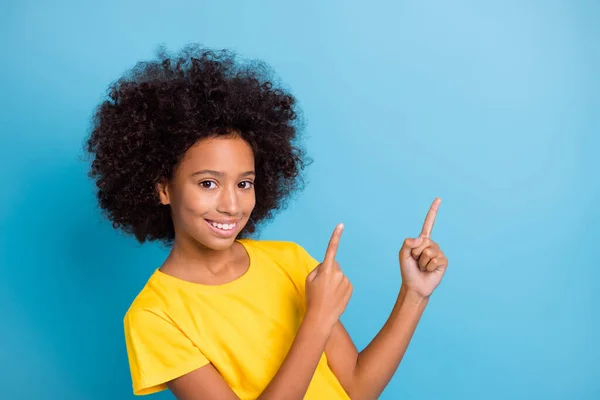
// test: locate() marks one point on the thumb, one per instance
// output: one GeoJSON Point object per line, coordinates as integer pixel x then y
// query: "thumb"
{"type": "Point", "coordinates": [313, 274]}
{"type": "Point", "coordinates": [408, 245]}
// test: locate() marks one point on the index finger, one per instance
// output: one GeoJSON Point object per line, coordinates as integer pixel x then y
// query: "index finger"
{"type": "Point", "coordinates": [430, 218]}
{"type": "Point", "coordinates": [333, 244]}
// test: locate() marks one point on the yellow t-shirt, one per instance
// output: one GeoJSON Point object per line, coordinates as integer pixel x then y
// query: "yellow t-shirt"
{"type": "Point", "coordinates": [244, 328]}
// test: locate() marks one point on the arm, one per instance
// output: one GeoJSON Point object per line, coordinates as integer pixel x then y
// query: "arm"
{"type": "Point", "coordinates": [327, 294]}
{"type": "Point", "coordinates": [290, 382]}
{"type": "Point", "coordinates": [364, 375]}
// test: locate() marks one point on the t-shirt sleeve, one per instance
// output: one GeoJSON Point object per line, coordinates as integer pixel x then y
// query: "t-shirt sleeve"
{"type": "Point", "coordinates": [306, 262]}
{"type": "Point", "coordinates": [158, 351]}
{"type": "Point", "coordinates": [303, 263]}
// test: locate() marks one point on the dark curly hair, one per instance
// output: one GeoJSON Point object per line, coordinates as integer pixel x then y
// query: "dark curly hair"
{"type": "Point", "coordinates": [160, 108]}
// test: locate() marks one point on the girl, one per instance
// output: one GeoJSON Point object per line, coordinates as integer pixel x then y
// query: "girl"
{"type": "Point", "coordinates": [196, 151]}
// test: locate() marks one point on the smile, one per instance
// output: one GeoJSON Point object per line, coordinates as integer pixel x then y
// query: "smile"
{"type": "Point", "coordinates": [222, 229]}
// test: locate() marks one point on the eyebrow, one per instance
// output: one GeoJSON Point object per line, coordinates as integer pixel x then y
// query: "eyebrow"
{"type": "Point", "coordinates": [220, 174]}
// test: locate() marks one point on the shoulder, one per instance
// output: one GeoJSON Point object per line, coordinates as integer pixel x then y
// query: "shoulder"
{"type": "Point", "coordinates": [271, 245]}
{"type": "Point", "coordinates": [289, 256]}
{"type": "Point", "coordinates": [275, 249]}
{"type": "Point", "coordinates": [151, 302]}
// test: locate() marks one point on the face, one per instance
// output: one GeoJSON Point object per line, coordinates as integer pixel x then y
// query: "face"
{"type": "Point", "coordinates": [212, 192]}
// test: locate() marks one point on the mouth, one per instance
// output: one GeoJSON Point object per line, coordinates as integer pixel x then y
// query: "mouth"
{"type": "Point", "coordinates": [224, 228]}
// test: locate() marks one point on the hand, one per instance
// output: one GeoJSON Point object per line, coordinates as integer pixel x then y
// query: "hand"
{"type": "Point", "coordinates": [422, 262]}
{"type": "Point", "coordinates": [328, 290]}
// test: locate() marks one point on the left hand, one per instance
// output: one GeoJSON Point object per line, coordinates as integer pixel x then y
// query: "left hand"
{"type": "Point", "coordinates": [422, 262]}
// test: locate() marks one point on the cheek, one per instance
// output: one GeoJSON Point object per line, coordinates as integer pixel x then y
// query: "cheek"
{"type": "Point", "coordinates": [250, 202]}
{"type": "Point", "coordinates": [195, 203]}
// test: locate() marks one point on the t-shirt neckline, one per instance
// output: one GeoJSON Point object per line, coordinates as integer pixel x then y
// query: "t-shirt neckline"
{"type": "Point", "coordinates": [231, 285]}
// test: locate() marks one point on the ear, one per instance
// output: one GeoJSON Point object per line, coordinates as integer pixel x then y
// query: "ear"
{"type": "Point", "coordinates": [162, 188]}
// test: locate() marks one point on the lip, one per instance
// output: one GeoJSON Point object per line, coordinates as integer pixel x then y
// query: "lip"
{"type": "Point", "coordinates": [223, 233]}
{"type": "Point", "coordinates": [224, 221]}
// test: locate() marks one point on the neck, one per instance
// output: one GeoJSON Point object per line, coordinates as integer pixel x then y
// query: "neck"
{"type": "Point", "coordinates": [191, 257]}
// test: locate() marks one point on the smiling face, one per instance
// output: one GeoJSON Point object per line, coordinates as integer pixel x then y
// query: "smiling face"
{"type": "Point", "coordinates": [211, 194]}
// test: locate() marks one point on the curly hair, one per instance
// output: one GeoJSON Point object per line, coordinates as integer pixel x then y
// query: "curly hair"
{"type": "Point", "coordinates": [160, 108]}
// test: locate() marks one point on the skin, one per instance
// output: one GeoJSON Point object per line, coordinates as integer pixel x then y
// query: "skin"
{"type": "Point", "coordinates": [364, 375]}
{"type": "Point", "coordinates": [196, 195]}
{"type": "Point", "coordinates": [199, 255]}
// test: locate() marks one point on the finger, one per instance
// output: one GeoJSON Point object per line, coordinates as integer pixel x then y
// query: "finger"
{"type": "Point", "coordinates": [336, 266]}
{"type": "Point", "coordinates": [312, 274]}
{"type": "Point", "coordinates": [408, 245]}
{"type": "Point", "coordinates": [416, 252]}
{"type": "Point", "coordinates": [345, 282]}
{"type": "Point", "coordinates": [427, 255]}
{"type": "Point", "coordinates": [436, 263]}
{"type": "Point", "coordinates": [333, 244]}
{"type": "Point", "coordinates": [333, 270]}
{"type": "Point", "coordinates": [430, 218]}
{"type": "Point", "coordinates": [348, 289]}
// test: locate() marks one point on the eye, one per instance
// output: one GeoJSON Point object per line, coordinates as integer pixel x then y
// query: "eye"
{"type": "Point", "coordinates": [207, 184]}
{"type": "Point", "coordinates": [246, 184]}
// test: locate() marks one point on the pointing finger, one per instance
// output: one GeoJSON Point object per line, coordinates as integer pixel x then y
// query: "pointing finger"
{"type": "Point", "coordinates": [430, 219]}
{"type": "Point", "coordinates": [333, 244]}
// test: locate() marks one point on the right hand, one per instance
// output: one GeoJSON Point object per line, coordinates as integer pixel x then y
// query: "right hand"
{"type": "Point", "coordinates": [328, 290]}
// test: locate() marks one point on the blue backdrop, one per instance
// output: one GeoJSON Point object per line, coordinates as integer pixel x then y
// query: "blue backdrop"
{"type": "Point", "coordinates": [494, 106]}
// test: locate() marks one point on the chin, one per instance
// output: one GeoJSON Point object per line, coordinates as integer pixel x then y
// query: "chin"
{"type": "Point", "coordinates": [215, 240]}
{"type": "Point", "coordinates": [220, 244]}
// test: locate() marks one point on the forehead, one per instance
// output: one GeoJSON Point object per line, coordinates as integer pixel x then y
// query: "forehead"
{"type": "Point", "coordinates": [225, 154]}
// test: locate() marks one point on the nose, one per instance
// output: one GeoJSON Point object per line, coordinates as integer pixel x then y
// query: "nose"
{"type": "Point", "coordinates": [228, 201]}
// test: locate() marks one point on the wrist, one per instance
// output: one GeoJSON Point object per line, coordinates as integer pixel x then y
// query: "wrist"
{"type": "Point", "coordinates": [411, 296]}
{"type": "Point", "coordinates": [317, 324]}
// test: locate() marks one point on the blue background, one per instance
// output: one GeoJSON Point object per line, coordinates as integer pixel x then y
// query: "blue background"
{"type": "Point", "coordinates": [494, 106]}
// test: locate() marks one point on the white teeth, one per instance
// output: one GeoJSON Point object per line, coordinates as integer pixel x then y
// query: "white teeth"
{"type": "Point", "coordinates": [225, 227]}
